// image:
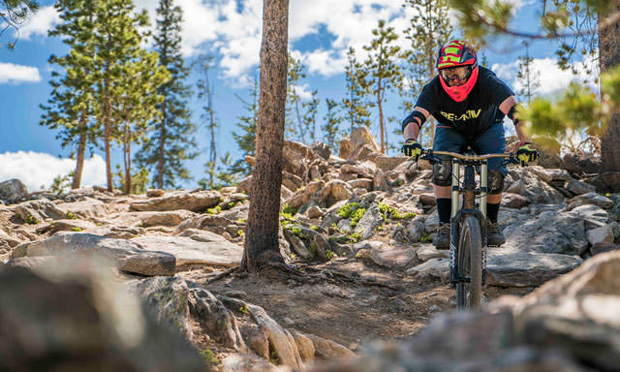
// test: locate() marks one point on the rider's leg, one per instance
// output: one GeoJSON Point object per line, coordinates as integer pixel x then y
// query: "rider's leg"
{"type": "Point", "coordinates": [446, 139]}
{"type": "Point", "coordinates": [490, 142]}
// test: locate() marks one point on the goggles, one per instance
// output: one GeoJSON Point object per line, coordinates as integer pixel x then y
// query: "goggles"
{"type": "Point", "coordinates": [455, 75]}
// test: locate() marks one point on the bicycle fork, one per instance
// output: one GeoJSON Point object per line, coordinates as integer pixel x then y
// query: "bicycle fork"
{"type": "Point", "coordinates": [469, 208]}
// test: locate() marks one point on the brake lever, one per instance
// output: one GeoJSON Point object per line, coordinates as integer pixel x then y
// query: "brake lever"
{"type": "Point", "coordinates": [433, 159]}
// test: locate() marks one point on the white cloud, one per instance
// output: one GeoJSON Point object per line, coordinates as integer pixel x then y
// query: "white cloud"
{"type": "Point", "coordinates": [15, 74]}
{"type": "Point", "coordinates": [551, 77]}
{"type": "Point", "coordinates": [42, 21]}
{"type": "Point", "coordinates": [39, 169]}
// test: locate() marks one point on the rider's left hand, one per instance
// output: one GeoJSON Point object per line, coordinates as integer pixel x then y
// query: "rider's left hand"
{"type": "Point", "coordinates": [527, 153]}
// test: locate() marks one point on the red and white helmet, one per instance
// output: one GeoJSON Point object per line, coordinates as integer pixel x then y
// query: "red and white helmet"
{"type": "Point", "coordinates": [457, 65]}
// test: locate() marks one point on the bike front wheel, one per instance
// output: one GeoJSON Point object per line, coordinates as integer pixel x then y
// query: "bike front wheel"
{"type": "Point", "coordinates": [469, 265]}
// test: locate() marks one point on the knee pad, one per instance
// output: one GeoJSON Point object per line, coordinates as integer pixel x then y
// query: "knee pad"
{"type": "Point", "coordinates": [495, 182]}
{"type": "Point", "coordinates": [442, 172]}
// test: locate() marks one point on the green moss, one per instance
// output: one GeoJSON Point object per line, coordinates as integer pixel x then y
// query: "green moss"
{"type": "Point", "coordinates": [215, 210]}
{"type": "Point", "coordinates": [288, 210]}
{"type": "Point", "coordinates": [209, 357]}
{"type": "Point", "coordinates": [346, 210]}
{"type": "Point", "coordinates": [297, 231]}
{"type": "Point", "coordinates": [388, 212]}
{"type": "Point", "coordinates": [356, 216]}
{"type": "Point", "coordinates": [329, 254]}
{"type": "Point", "coordinates": [71, 216]}
{"type": "Point", "coordinates": [314, 227]}
{"type": "Point", "coordinates": [425, 238]}
{"type": "Point", "coordinates": [32, 220]}
{"type": "Point", "coordinates": [76, 229]}
{"type": "Point", "coordinates": [354, 238]}
{"type": "Point", "coordinates": [244, 310]}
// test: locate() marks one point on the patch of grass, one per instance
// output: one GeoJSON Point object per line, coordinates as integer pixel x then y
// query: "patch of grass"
{"type": "Point", "coordinates": [32, 220]}
{"type": "Point", "coordinates": [425, 238]}
{"type": "Point", "coordinates": [71, 216]}
{"type": "Point", "coordinates": [287, 209]}
{"type": "Point", "coordinates": [215, 210]}
{"type": "Point", "coordinates": [274, 358]}
{"type": "Point", "coordinates": [354, 238]}
{"type": "Point", "coordinates": [314, 227]}
{"type": "Point", "coordinates": [388, 212]}
{"type": "Point", "coordinates": [329, 254]}
{"type": "Point", "coordinates": [356, 216]}
{"type": "Point", "coordinates": [297, 231]}
{"type": "Point", "coordinates": [209, 357]}
{"type": "Point", "coordinates": [346, 210]}
{"type": "Point", "coordinates": [244, 310]}
{"type": "Point", "coordinates": [77, 229]}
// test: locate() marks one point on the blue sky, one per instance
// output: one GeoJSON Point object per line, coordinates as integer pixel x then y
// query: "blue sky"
{"type": "Point", "coordinates": [321, 31]}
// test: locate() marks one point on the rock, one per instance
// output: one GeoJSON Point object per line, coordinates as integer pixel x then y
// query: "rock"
{"type": "Point", "coordinates": [218, 224]}
{"type": "Point", "coordinates": [191, 201]}
{"type": "Point", "coordinates": [165, 218]}
{"type": "Point", "coordinates": [307, 243]}
{"type": "Point", "coordinates": [296, 158]}
{"type": "Point", "coordinates": [247, 363]}
{"type": "Point", "coordinates": [167, 300]}
{"type": "Point", "coordinates": [85, 208]}
{"type": "Point", "coordinates": [388, 163]}
{"type": "Point", "coordinates": [345, 148]}
{"type": "Point", "coordinates": [606, 182]}
{"type": "Point", "coordinates": [291, 181]}
{"type": "Point", "coordinates": [126, 255]}
{"type": "Point", "coordinates": [329, 350]}
{"type": "Point", "coordinates": [392, 257]}
{"type": "Point", "coordinates": [415, 229]}
{"type": "Point", "coordinates": [369, 223]}
{"type": "Point", "coordinates": [364, 152]}
{"type": "Point", "coordinates": [590, 198]}
{"type": "Point", "coordinates": [188, 251]}
{"type": "Point", "coordinates": [37, 211]}
{"type": "Point", "coordinates": [603, 234]}
{"type": "Point", "coordinates": [315, 212]}
{"type": "Point", "coordinates": [364, 183]}
{"type": "Point", "coordinates": [427, 252]}
{"type": "Point", "coordinates": [366, 169]}
{"type": "Point", "coordinates": [603, 247]}
{"type": "Point", "coordinates": [362, 136]}
{"type": "Point", "coordinates": [78, 319]}
{"type": "Point", "coordinates": [216, 318]}
{"type": "Point", "coordinates": [549, 232]}
{"type": "Point", "coordinates": [517, 201]}
{"type": "Point", "coordinates": [580, 165]}
{"type": "Point", "coordinates": [155, 193]}
{"type": "Point", "coordinates": [65, 225]}
{"type": "Point", "coordinates": [13, 191]}
{"type": "Point", "coordinates": [333, 192]}
{"type": "Point", "coordinates": [578, 188]}
{"type": "Point", "coordinates": [303, 195]}
{"type": "Point", "coordinates": [379, 182]}
{"type": "Point", "coordinates": [203, 236]}
{"type": "Point", "coordinates": [533, 188]}
{"type": "Point", "coordinates": [526, 269]}
{"type": "Point", "coordinates": [437, 268]}
{"type": "Point", "coordinates": [322, 150]}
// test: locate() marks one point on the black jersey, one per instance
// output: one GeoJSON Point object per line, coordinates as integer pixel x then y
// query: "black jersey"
{"type": "Point", "coordinates": [473, 115]}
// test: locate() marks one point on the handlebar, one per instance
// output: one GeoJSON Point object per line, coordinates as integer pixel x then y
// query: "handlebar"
{"type": "Point", "coordinates": [431, 156]}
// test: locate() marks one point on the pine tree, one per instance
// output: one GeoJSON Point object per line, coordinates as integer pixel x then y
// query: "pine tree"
{"type": "Point", "coordinates": [331, 123]}
{"type": "Point", "coordinates": [528, 77]}
{"type": "Point", "coordinates": [355, 105]}
{"type": "Point", "coordinates": [13, 13]}
{"type": "Point", "coordinates": [295, 127]}
{"type": "Point", "coordinates": [384, 73]}
{"type": "Point", "coordinates": [246, 138]}
{"type": "Point", "coordinates": [310, 110]}
{"type": "Point", "coordinates": [430, 28]}
{"type": "Point", "coordinates": [71, 106]}
{"type": "Point", "coordinates": [172, 141]}
{"type": "Point", "coordinates": [119, 55]}
{"type": "Point", "coordinates": [205, 94]}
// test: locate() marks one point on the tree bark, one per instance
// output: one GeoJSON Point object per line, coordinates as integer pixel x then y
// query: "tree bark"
{"type": "Point", "coordinates": [79, 164]}
{"type": "Point", "coordinates": [162, 146]}
{"type": "Point", "coordinates": [609, 51]}
{"type": "Point", "coordinates": [261, 243]}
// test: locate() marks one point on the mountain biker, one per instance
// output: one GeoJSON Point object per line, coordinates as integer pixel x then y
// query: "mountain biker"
{"type": "Point", "coordinates": [469, 103]}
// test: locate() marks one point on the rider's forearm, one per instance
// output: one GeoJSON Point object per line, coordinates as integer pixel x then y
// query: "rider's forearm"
{"type": "Point", "coordinates": [521, 133]}
{"type": "Point", "coordinates": [411, 131]}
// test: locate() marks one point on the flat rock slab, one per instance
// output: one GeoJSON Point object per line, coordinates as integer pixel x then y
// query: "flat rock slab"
{"type": "Point", "coordinates": [393, 257]}
{"type": "Point", "coordinates": [127, 255]}
{"type": "Point", "coordinates": [86, 208]}
{"type": "Point", "coordinates": [188, 251]}
{"type": "Point", "coordinates": [192, 201]}
{"type": "Point", "coordinates": [526, 269]}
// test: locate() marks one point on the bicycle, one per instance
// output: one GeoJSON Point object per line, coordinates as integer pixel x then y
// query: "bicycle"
{"type": "Point", "coordinates": [468, 228]}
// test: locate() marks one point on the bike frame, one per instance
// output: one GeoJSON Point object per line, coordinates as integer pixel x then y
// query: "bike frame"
{"type": "Point", "coordinates": [459, 211]}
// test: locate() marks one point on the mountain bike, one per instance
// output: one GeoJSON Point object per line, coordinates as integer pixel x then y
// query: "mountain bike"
{"type": "Point", "coordinates": [468, 228]}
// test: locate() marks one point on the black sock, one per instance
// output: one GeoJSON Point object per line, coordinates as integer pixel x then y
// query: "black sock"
{"type": "Point", "coordinates": [444, 209]}
{"type": "Point", "coordinates": [492, 212]}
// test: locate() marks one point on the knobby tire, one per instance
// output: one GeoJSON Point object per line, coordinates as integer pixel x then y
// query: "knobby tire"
{"type": "Point", "coordinates": [469, 265]}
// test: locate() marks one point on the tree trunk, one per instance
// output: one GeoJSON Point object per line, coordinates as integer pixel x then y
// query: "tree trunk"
{"type": "Point", "coordinates": [379, 88]}
{"type": "Point", "coordinates": [127, 158]}
{"type": "Point", "coordinates": [162, 146]}
{"type": "Point", "coordinates": [609, 50]}
{"type": "Point", "coordinates": [261, 243]}
{"type": "Point", "coordinates": [107, 138]}
{"type": "Point", "coordinates": [79, 164]}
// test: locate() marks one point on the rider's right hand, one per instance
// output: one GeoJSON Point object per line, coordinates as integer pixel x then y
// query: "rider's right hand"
{"type": "Point", "coordinates": [412, 148]}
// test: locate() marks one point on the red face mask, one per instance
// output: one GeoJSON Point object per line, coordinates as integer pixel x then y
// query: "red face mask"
{"type": "Point", "coordinates": [458, 92]}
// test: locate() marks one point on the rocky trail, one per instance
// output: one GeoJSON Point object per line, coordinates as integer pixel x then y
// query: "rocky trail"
{"type": "Point", "coordinates": [357, 227]}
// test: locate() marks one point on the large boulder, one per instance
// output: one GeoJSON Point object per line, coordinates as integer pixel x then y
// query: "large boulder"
{"type": "Point", "coordinates": [191, 201]}
{"type": "Point", "coordinates": [126, 255]}
{"type": "Point", "coordinates": [13, 191]}
{"type": "Point", "coordinates": [37, 211]}
{"type": "Point", "coordinates": [74, 319]}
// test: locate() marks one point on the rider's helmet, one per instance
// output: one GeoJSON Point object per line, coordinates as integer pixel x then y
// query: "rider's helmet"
{"type": "Point", "coordinates": [457, 65]}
